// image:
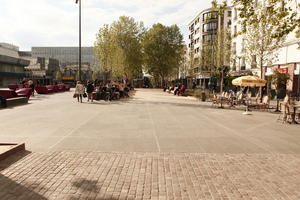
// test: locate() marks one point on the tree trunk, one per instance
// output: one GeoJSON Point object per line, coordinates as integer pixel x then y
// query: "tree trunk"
{"type": "Point", "coordinates": [262, 77]}
{"type": "Point", "coordinates": [222, 81]}
{"type": "Point", "coordinates": [162, 81]}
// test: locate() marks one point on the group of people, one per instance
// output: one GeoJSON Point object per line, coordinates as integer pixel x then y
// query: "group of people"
{"type": "Point", "coordinates": [176, 89]}
{"type": "Point", "coordinates": [28, 83]}
{"type": "Point", "coordinates": [97, 90]}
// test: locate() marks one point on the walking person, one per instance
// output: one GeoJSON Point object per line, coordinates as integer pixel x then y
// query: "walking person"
{"type": "Point", "coordinates": [31, 85]}
{"type": "Point", "coordinates": [89, 90]}
{"type": "Point", "coordinates": [79, 91]}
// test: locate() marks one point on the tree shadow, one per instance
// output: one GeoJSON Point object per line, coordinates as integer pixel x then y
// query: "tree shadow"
{"type": "Point", "coordinates": [88, 187]}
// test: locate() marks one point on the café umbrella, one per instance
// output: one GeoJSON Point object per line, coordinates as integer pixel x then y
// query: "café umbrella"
{"type": "Point", "coordinates": [249, 81]}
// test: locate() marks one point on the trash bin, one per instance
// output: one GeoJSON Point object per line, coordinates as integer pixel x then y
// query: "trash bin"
{"type": "Point", "coordinates": [203, 96]}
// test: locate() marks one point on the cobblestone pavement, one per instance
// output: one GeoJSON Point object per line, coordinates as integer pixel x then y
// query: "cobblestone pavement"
{"type": "Point", "coordinates": [128, 176]}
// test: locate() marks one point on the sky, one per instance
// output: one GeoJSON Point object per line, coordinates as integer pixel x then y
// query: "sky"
{"type": "Point", "coordinates": [28, 23]}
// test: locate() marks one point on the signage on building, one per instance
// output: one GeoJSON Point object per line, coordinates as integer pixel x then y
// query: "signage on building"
{"type": "Point", "coordinates": [283, 70]}
{"type": "Point", "coordinates": [68, 78]}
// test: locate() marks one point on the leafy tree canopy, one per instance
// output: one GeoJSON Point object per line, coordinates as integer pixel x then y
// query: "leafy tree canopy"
{"type": "Point", "coordinates": [163, 50]}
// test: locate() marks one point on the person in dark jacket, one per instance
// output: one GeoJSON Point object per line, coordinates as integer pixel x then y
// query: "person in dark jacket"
{"type": "Point", "coordinates": [89, 90]}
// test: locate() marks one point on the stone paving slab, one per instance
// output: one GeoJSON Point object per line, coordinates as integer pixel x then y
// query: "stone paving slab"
{"type": "Point", "coordinates": [93, 175]}
{"type": "Point", "coordinates": [150, 121]}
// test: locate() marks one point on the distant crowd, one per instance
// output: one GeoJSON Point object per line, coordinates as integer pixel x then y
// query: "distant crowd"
{"type": "Point", "coordinates": [98, 90]}
{"type": "Point", "coordinates": [28, 83]}
{"type": "Point", "coordinates": [175, 89]}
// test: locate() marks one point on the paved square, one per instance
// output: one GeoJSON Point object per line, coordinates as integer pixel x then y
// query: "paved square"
{"type": "Point", "coordinates": [158, 146]}
{"type": "Point", "coordinates": [152, 121]}
{"type": "Point", "coordinates": [121, 176]}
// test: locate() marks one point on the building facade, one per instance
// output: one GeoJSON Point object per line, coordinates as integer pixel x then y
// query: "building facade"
{"type": "Point", "coordinates": [66, 55]}
{"type": "Point", "coordinates": [40, 67]}
{"type": "Point", "coordinates": [11, 65]}
{"type": "Point", "coordinates": [68, 58]}
{"type": "Point", "coordinates": [203, 31]}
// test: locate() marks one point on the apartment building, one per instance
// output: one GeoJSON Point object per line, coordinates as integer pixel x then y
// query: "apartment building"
{"type": "Point", "coordinates": [203, 30]}
{"type": "Point", "coordinates": [287, 59]}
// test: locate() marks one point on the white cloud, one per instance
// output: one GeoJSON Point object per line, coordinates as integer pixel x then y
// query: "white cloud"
{"type": "Point", "coordinates": [55, 22]}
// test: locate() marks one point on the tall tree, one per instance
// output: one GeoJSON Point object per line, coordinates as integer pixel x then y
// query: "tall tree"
{"type": "Point", "coordinates": [284, 17]}
{"type": "Point", "coordinates": [265, 25]}
{"type": "Point", "coordinates": [58, 76]}
{"type": "Point", "coordinates": [162, 50]}
{"type": "Point", "coordinates": [219, 47]}
{"type": "Point", "coordinates": [118, 47]}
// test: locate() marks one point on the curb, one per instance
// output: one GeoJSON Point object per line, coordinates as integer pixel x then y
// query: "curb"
{"type": "Point", "coordinates": [16, 148]}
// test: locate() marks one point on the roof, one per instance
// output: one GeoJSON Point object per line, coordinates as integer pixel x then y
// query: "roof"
{"type": "Point", "coordinates": [14, 61]}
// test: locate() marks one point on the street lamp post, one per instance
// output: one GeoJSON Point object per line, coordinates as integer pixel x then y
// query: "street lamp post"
{"type": "Point", "coordinates": [79, 67]}
{"type": "Point", "coordinates": [298, 88]}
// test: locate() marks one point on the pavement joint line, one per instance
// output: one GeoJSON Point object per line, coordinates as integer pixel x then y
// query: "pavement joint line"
{"type": "Point", "coordinates": [234, 132]}
{"type": "Point", "coordinates": [258, 126]}
{"type": "Point", "coordinates": [154, 131]}
{"type": "Point", "coordinates": [72, 131]}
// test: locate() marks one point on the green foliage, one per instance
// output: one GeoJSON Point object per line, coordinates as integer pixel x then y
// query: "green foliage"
{"type": "Point", "coordinates": [279, 79]}
{"type": "Point", "coordinates": [95, 75]}
{"type": "Point", "coordinates": [118, 47]}
{"type": "Point", "coordinates": [58, 76]}
{"type": "Point", "coordinates": [216, 54]}
{"type": "Point", "coordinates": [265, 25]}
{"type": "Point", "coordinates": [283, 18]}
{"type": "Point", "coordinates": [163, 50]}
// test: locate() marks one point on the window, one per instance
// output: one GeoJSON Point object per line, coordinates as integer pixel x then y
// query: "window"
{"type": "Point", "coordinates": [229, 13]}
{"type": "Point", "coordinates": [235, 14]}
{"type": "Point", "coordinates": [243, 45]}
{"type": "Point", "coordinates": [253, 61]}
{"type": "Point", "coordinates": [235, 31]}
{"type": "Point", "coordinates": [243, 65]}
{"type": "Point", "coordinates": [229, 23]}
{"type": "Point", "coordinates": [210, 15]}
{"type": "Point", "coordinates": [234, 48]}
{"type": "Point", "coordinates": [209, 37]}
{"type": "Point", "coordinates": [210, 27]}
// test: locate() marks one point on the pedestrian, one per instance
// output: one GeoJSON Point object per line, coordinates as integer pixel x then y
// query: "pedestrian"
{"type": "Point", "coordinates": [31, 85]}
{"type": "Point", "coordinates": [194, 85]}
{"type": "Point", "coordinates": [79, 91]}
{"type": "Point", "coordinates": [89, 90]}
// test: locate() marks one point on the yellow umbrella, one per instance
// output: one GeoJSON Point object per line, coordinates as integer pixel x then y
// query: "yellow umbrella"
{"type": "Point", "coordinates": [249, 81]}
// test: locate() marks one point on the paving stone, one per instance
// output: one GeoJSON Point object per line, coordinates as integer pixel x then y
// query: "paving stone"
{"type": "Point", "coordinates": [130, 176]}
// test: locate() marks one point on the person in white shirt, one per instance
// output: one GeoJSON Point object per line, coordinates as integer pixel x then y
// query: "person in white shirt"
{"type": "Point", "coordinates": [79, 91]}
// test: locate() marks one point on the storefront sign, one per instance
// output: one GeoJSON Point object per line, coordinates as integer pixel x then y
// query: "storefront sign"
{"type": "Point", "coordinates": [68, 78]}
{"type": "Point", "coordinates": [283, 70]}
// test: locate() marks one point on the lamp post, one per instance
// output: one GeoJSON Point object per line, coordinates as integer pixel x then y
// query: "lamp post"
{"type": "Point", "coordinates": [79, 66]}
{"type": "Point", "coordinates": [239, 57]}
{"type": "Point", "coordinates": [298, 88]}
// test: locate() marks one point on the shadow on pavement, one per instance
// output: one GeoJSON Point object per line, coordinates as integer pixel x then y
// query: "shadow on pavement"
{"type": "Point", "coordinates": [12, 190]}
{"type": "Point", "coordinates": [90, 188]}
